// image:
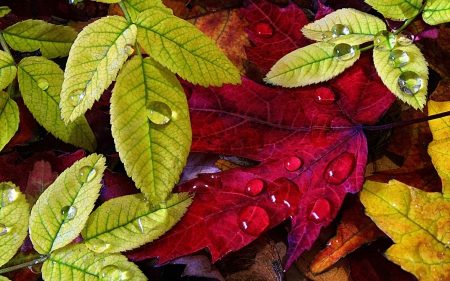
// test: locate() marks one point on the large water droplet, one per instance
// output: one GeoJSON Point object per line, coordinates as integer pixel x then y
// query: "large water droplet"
{"type": "Point", "coordinates": [324, 95]}
{"type": "Point", "coordinates": [159, 113]}
{"type": "Point", "coordinates": [292, 163]}
{"type": "Point", "coordinates": [328, 35]}
{"type": "Point", "coordinates": [3, 229]}
{"type": "Point", "coordinates": [68, 212]}
{"type": "Point", "coordinates": [110, 273]}
{"type": "Point", "coordinates": [344, 51]}
{"type": "Point", "coordinates": [409, 82]}
{"type": "Point", "coordinates": [76, 97]}
{"type": "Point", "coordinates": [263, 30]}
{"type": "Point", "coordinates": [138, 225]}
{"type": "Point", "coordinates": [42, 83]}
{"type": "Point", "coordinates": [384, 41]}
{"type": "Point", "coordinates": [98, 245]}
{"type": "Point", "coordinates": [254, 187]}
{"type": "Point", "coordinates": [253, 220]}
{"type": "Point", "coordinates": [398, 58]}
{"type": "Point", "coordinates": [340, 30]}
{"type": "Point", "coordinates": [321, 210]}
{"type": "Point", "coordinates": [86, 174]}
{"type": "Point", "coordinates": [405, 38]}
{"type": "Point", "coordinates": [204, 183]}
{"type": "Point", "coordinates": [284, 191]}
{"type": "Point", "coordinates": [338, 170]}
{"type": "Point", "coordinates": [9, 194]}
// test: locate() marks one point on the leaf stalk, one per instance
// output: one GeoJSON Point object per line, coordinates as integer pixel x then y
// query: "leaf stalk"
{"type": "Point", "coordinates": [407, 122]}
{"type": "Point", "coordinates": [25, 264]}
{"type": "Point", "coordinates": [125, 12]}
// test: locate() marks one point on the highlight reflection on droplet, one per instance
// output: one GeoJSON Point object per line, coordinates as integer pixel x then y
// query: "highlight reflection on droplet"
{"type": "Point", "coordinates": [253, 220]}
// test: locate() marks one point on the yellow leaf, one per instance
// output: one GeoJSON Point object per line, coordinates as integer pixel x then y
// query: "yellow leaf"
{"type": "Point", "coordinates": [4, 10]}
{"type": "Point", "coordinates": [9, 118]}
{"type": "Point", "coordinates": [98, 53]}
{"type": "Point", "coordinates": [396, 9]}
{"type": "Point", "coordinates": [135, 7]}
{"type": "Point", "coordinates": [8, 69]}
{"type": "Point", "coordinates": [436, 11]}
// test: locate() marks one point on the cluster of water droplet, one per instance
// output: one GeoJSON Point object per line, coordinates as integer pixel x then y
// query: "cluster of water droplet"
{"type": "Point", "coordinates": [342, 51]}
{"type": "Point", "coordinates": [9, 195]}
{"type": "Point", "coordinates": [409, 82]}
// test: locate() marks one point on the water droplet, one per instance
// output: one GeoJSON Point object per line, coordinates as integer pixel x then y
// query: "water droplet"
{"type": "Point", "coordinates": [324, 95]}
{"type": "Point", "coordinates": [138, 225]}
{"type": "Point", "coordinates": [3, 229]}
{"type": "Point", "coordinates": [86, 174]}
{"type": "Point", "coordinates": [98, 245]}
{"type": "Point", "coordinates": [398, 58]}
{"type": "Point", "coordinates": [42, 83]}
{"type": "Point", "coordinates": [338, 170]}
{"type": "Point", "coordinates": [68, 212]}
{"type": "Point", "coordinates": [292, 163]}
{"type": "Point", "coordinates": [340, 30]}
{"type": "Point", "coordinates": [36, 268]}
{"type": "Point", "coordinates": [263, 30]}
{"type": "Point", "coordinates": [253, 220]}
{"type": "Point", "coordinates": [405, 38]}
{"type": "Point", "coordinates": [9, 194]}
{"type": "Point", "coordinates": [409, 82]}
{"type": "Point", "coordinates": [384, 41]}
{"type": "Point", "coordinates": [76, 97]}
{"type": "Point", "coordinates": [110, 273]}
{"type": "Point", "coordinates": [159, 113]}
{"type": "Point", "coordinates": [328, 35]}
{"type": "Point", "coordinates": [254, 187]}
{"type": "Point", "coordinates": [204, 183]}
{"type": "Point", "coordinates": [320, 210]}
{"type": "Point", "coordinates": [344, 51]}
{"type": "Point", "coordinates": [284, 191]}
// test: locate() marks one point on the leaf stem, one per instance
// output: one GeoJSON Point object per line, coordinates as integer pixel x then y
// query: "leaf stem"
{"type": "Point", "coordinates": [366, 48]}
{"type": "Point", "coordinates": [407, 122]}
{"type": "Point", "coordinates": [4, 45]}
{"type": "Point", "coordinates": [25, 264]}
{"type": "Point", "coordinates": [125, 12]}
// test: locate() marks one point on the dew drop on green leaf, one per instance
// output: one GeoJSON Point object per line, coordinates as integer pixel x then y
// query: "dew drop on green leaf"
{"type": "Point", "coordinates": [384, 40]}
{"type": "Point", "coordinates": [398, 58]}
{"type": "Point", "coordinates": [340, 30]}
{"type": "Point", "coordinates": [98, 245]}
{"type": "Point", "coordinates": [409, 82]}
{"type": "Point", "coordinates": [344, 51]}
{"type": "Point", "coordinates": [76, 97]}
{"type": "Point", "coordinates": [139, 226]}
{"type": "Point", "coordinates": [405, 38]}
{"type": "Point", "coordinates": [86, 174]}
{"type": "Point", "coordinates": [42, 83]}
{"type": "Point", "coordinates": [328, 35]}
{"type": "Point", "coordinates": [159, 113]}
{"type": "Point", "coordinates": [114, 273]}
{"type": "Point", "coordinates": [3, 229]}
{"type": "Point", "coordinates": [68, 212]}
{"type": "Point", "coordinates": [9, 194]}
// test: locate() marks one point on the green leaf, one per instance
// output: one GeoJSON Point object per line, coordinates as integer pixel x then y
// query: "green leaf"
{"type": "Point", "coordinates": [135, 7]}
{"type": "Point", "coordinates": [362, 27]}
{"type": "Point", "coordinates": [436, 12]}
{"type": "Point", "coordinates": [308, 65]}
{"type": "Point", "coordinates": [14, 214]}
{"type": "Point", "coordinates": [153, 152]}
{"type": "Point", "coordinates": [9, 118]}
{"type": "Point", "coordinates": [127, 222]}
{"type": "Point", "coordinates": [107, 1]}
{"type": "Point", "coordinates": [40, 82]}
{"type": "Point", "coordinates": [390, 74]}
{"type": "Point", "coordinates": [184, 49]}
{"type": "Point", "coordinates": [76, 262]}
{"type": "Point", "coordinates": [31, 35]}
{"type": "Point", "coordinates": [396, 9]}
{"type": "Point", "coordinates": [4, 10]}
{"type": "Point", "coordinates": [97, 54]}
{"type": "Point", "coordinates": [8, 69]}
{"type": "Point", "coordinates": [62, 210]}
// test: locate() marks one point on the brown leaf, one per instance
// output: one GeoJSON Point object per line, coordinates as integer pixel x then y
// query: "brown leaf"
{"type": "Point", "coordinates": [198, 265]}
{"type": "Point", "coordinates": [437, 49]}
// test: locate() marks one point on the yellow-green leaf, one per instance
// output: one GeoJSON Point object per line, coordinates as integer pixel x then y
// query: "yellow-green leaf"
{"type": "Point", "coordinates": [417, 222]}
{"type": "Point", "coordinates": [40, 83]}
{"type": "Point", "coordinates": [63, 208]}
{"type": "Point", "coordinates": [184, 49]}
{"type": "Point", "coordinates": [436, 11]}
{"type": "Point", "coordinates": [8, 69]}
{"type": "Point", "coordinates": [396, 9]}
{"type": "Point", "coordinates": [4, 10]}
{"type": "Point", "coordinates": [108, 1]}
{"type": "Point", "coordinates": [390, 74]}
{"type": "Point", "coordinates": [98, 53]}
{"type": "Point", "coordinates": [31, 35]}
{"type": "Point", "coordinates": [14, 214]}
{"type": "Point", "coordinates": [309, 65]}
{"type": "Point", "coordinates": [127, 222]}
{"type": "Point", "coordinates": [76, 262]}
{"type": "Point", "coordinates": [135, 7]}
{"type": "Point", "coordinates": [150, 126]}
{"type": "Point", "coordinates": [362, 27]}
{"type": "Point", "coordinates": [9, 118]}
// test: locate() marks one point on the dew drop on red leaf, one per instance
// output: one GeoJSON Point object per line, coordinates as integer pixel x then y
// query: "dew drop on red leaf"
{"type": "Point", "coordinates": [263, 30]}
{"type": "Point", "coordinates": [321, 210]}
{"type": "Point", "coordinates": [293, 163]}
{"type": "Point", "coordinates": [254, 187]}
{"type": "Point", "coordinates": [284, 191]}
{"type": "Point", "coordinates": [253, 220]}
{"type": "Point", "coordinates": [338, 170]}
{"type": "Point", "coordinates": [204, 183]}
{"type": "Point", "coordinates": [324, 95]}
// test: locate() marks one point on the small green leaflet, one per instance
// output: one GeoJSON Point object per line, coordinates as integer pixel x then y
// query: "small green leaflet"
{"type": "Point", "coordinates": [40, 83]}
{"type": "Point", "coordinates": [14, 214]}
{"type": "Point", "coordinates": [31, 35]}
{"type": "Point", "coordinates": [76, 262]}
{"type": "Point", "coordinates": [62, 210]}
{"type": "Point", "coordinates": [436, 11]}
{"type": "Point", "coordinates": [4, 10]}
{"type": "Point", "coordinates": [3, 278]}
{"type": "Point", "coordinates": [184, 49]}
{"type": "Point", "coordinates": [97, 54]}
{"type": "Point", "coordinates": [396, 9]}
{"type": "Point", "coordinates": [362, 27]}
{"type": "Point", "coordinates": [8, 69]}
{"type": "Point", "coordinates": [150, 126]}
{"type": "Point", "coordinates": [390, 74]}
{"type": "Point", "coordinates": [127, 222]}
{"type": "Point", "coordinates": [9, 118]}
{"type": "Point", "coordinates": [135, 7]}
{"type": "Point", "coordinates": [308, 65]}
